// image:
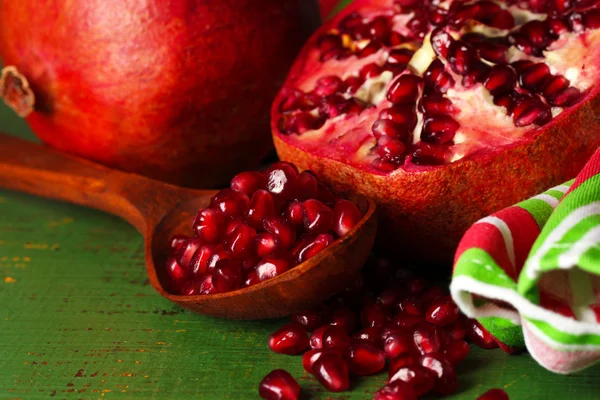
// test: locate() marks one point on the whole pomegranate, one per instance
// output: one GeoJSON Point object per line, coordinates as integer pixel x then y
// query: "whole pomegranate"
{"type": "Point", "coordinates": [444, 111]}
{"type": "Point", "coordinates": [175, 89]}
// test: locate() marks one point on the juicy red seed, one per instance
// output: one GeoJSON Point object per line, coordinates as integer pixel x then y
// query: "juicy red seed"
{"type": "Point", "coordinates": [248, 182]}
{"type": "Point", "coordinates": [293, 213]}
{"type": "Point", "coordinates": [439, 129]}
{"type": "Point", "coordinates": [407, 321]}
{"type": "Point", "coordinates": [461, 56]}
{"type": "Point", "coordinates": [281, 180]}
{"type": "Point", "coordinates": [352, 83]}
{"type": "Point", "coordinates": [209, 226]}
{"type": "Point", "coordinates": [480, 336]}
{"type": "Point", "coordinates": [365, 359]}
{"type": "Point", "coordinates": [418, 26]}
{"type": "Point", "coordinates": [436, 104]}
{"type": "Point", "coordinates": [478, 74]}
{"type": "Point", "coordinates": [379, 29]}
{"type": "Point", "coordinates": [397, 390]}
{"type": "Point", "coordinates": [206, 285]}
{"type": "Point", "coordinates": [536, 33]}
{"type": "Point", "coordinates": [227, 275]}
{"type": "Point", "coordinates": [539, 114]}
{"type": "Point", "coordinates": [289, 339]}
{"type": "Point", "coordinates": [279, 385]}
{"type": "Point", "coordinates": [312, 246]}
{"type": "Point", "coordinates": [402, 361]}
{"type": "Point", "coordinates": [437, 78]}
{"type": "Point", "coordinates": [266, 244]}
{"type": "Point", "coordinates": [332, 372]}
{"type": "Point", "coordinates": [310, 357]}
{"type": "Point", "coordinates": [446, 382]}
{"type": "Point", "coordinates": [493, 52]}
{"type": "Point", "coordinates": [177, 275]}
{"type": "Point", "coordinates": [388, 147]}
{"type": "Point", "coordinates": [400, 56]}
{"type": "Point", "coordinates": [369, 49]}
{"type": "Point", "coordinates": [176, 242]}
{"type": "Point", "coordinates": [318, 218]}
{"type": "Point", "coordinates": [575, 22]}
{"type": "Point", "coordinates": [373, 316]}
{"type": "Point", "coordinates": [522, 65]}
{"type": "Point", "coordinates": [411, 305]}
{"type": "Point", "coordinates": [458, 330]}
{"type": "Point", "coordinates": [306, 186]}
{"type": "Point", "coordinates": [186, 252]}
{"type": "Point", "coordinates": [241, 241]}
{"type": "Point", "coordinates": [199, 262]}
{"type": "Point", "coordinates": [230, 203]}
{"type": "Point", "coordinates": [441, 41]}
{"type": "Point", "coordinates": [431, 294]}
{"type": "Point", "coordinates": [191, 288]}
{"type": "Point", "coordinates": [219, 253]}
{"type": "Point", "coordinates": [370, 335]}
{"type": "Point", "coordinates": [555, 85]}
{"type": "Point", "coordinates": [350, 22]}
{"type": "Point", "coordinates": [506, 100]}
{"type": "Point", "coordinates": [405, 117]}
{"type": "Point", "coordinates": [591, 19]}
{"type": "Point", "coordinates": [426, 338]}
{"type": "Point", "coordinates": [501, 79]}
{"type": "Point", "coordinates": [560, 6]}
{"type": "Point", "coordinates": [521, 42]}
{"type": "Point", "coordinates": [396, 344]}
{"type": "Point", "coordinates": [502, 20]}
{"type": "Point", "coordinates": [385, 127]}
{"type": "Point", "coordinates": [385, 164]}
{"type": "Point", "coordinates": [313, 318]}
{"type": "Point", "coordinates": [427, 154]}
{"type": "Point", "coordinates": [282, 231]}
{"type": "Point", "coordinates": [566, 98]}
{"type": "Point", "coordinates": [494, 394]}
{"type": "Point", "coordinates": [404, 90]}
{"type": "Point", "coordinates": [535, 76]}
{"type": "Point", "coordinates": [328, 85]}
{"type": "Point", "coordinates": [271, 267]}
{"type": "Point", "coordinates": [442, 312]}
{"type": "Point", "coordinates": [251, 279]}
{"type": "Point", "coordinates": [370, 71]}
{"type": "Point", "coordinates": [316, 339]}
{"type": "Point", "coordinates": [232, 224]}
{"type": "Point", "coordinates": [395, 39]}
{"type": "Point", "coordinates": [438, 16]}
{"type": "Point", "coordinates": [556, 26]}
{"type": "Point", "coordinates": [329, 42]}
{"type": "Point", "coordinates": [456, 351]}
{"type": "Point", "coordinates": [345, 217]}
{"type": "Point", "coordinates": [420, 378]}
{"type": "Point", "coordinates": [249, 262]}
{"type": "Point", "coordinates": [345, 318]}
{"type": "Point", "coordinates": [336, 338]}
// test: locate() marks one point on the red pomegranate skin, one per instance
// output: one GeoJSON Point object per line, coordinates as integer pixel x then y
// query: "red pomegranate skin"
{"type": "Point", "coordinates": [178, 90]}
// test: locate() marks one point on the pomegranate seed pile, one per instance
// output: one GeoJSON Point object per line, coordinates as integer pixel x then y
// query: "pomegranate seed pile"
{"type": "Point", "coordinates": [388, 320]}
{"type": "Point", "coordinates": [428, 82]}
{"type": "Point", "coordinates": [260, 227]}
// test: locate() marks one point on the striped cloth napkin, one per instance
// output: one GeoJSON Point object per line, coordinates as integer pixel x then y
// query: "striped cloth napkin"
{"type": "Point", "coordinates": [531, 274]}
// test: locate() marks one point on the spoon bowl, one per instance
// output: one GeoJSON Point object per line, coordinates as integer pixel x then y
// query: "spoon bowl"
{"type": "Point", "coordinates": [159, 211]}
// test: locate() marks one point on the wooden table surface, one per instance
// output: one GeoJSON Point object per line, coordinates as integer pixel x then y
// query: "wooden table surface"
{"type": "Point", "coordinates": [79, 320]}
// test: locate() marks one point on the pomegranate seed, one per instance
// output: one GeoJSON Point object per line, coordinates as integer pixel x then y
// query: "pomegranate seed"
{"type": "Point", "coordinates": [461, 56]}
{"type": "Point", "coordinates": [370, 49]}
{"type": "Point", "coordinates": [249, 262]}
{"type": "Point", "coordinates": [177, 276]}
{"type": "Point", "coordinates": [555, 85]}
{"type": "Point", "coordinates": [218, 254]}
{"type": "Point", "coordinates": [521, 42]}
{"type": "Point", "coordinates": [206, 285]}
{"type": "Point", "coordinates": [494, 394]}
{"type": "Point", "coordinates": [478, 74]}
{"type": "Point", "coordinates": [441, 41]}
{"type": "Point", "coordinates": [186, 252]}
{"type": "Point", "coordinates": [417, 25]}
{"type": "Point", "coordinates": [426, 154]}
{"type": "Point", "coordinates": [329, 42]}
{"type": "Point", "coordinates": [209, 226]}
{"type": "Point", "coordinates": [537, 33]}
{"type": "Point", "coordinates": [370, 71]}
{"type": "Point", "coordinates": [350, 22]}
{"type": "Point", "coordinates": [404, 90]}
{"type": "Point", "coordinates": [248, 182]}
{"type": "Point", "coordinates": [289, 339]}
{"type": "Point", "coordinates": [230, 203]}
{"type": "Point", "coordinates": [379, 29]}
{"type": "Point", "coordinates": [251, 279]}
{"type": "Point", "coordinates": [385, 127]}
{"type": "Point", "coordinates": [446, 375]}
{"type": "Point", "coordinates": [312, 246]}
{"type": "Point", "coordinates": [535, 77]}
{"type": "Point", "coordinates": [396, 344]}
{"type": "Point", "coordinates": [426, 338]}
{"type": "Point", "coordinates": [232, 224]}
{"type": "Point", "coordinates": [501, 79]}
{"type": "Point", "coordinates": [395, 39]}
{"type": "Point", "coordinates": [365, 359]}
{"type": "Point", "coordinates": [227, 275]}
{"type": "Point", "coordinates": [538, 113]}
{"type": "Point", "coordinates": [438, 16]}
{"type": "Point", "coordinates": [177, 241]}
{"type": "Point", "coordinates": [480, 336]}
{"type": "Point", "coordinates": [436, 78]}
{"type": "Point", "coordinates": [407, 321]}
{"type": "Point", "coordinates": [313, 318]}
{"type": "Point", "coordinates": [591, 19]}
{"type": "Point", "coordinates": [310, 357]}
{"type": "Point", "coordinates": [431, 294]}
{"type": "Point", "coordinates": [352, 83]}
{"type": "Point", "coordinates": [493, 52]}
{"type": "Point", "coordinates": [316, 339]}
{"type": "Point", "coordinates": [388, 298]}
{"type": "Point", "coordinates": [281, 180]}
{"type": "Point", "coordinates": [402, 361]}
{"type": "Point", "coordinates": [284, 233]}
{"type": "Point", "coordinates": [373, 316]}
{"type": "Point", "coordinates": [345, 216]}
{"type": "Point", "coordinates": [466, 12]}
{"type": "Point", "coordinates": [439, 129]}
{"type": "Point", "coordinates": [420, 378]}
{"type": "Point", "coordinates": [458, 330]}
{"type": "Point", "coordinates": [279, 385]}
{"type": "Point", "coordinates": [442, 312]}
{"type": "Point", "coordinates": [266, 244]}
{"type": "Point", "coordinates": [190, 288]}
{"type": "Point", "coordinates": [199, 262]}
{"type": "Point", "coordinates": [566, 98]}
{"type": "Point", "coordinates": [397, 390]}
{"type": "Point", "coordinates": [400, 56]}
{"type": "Point", "coordinates": [389, 148]}
{"type": "Point", "coordinates": [502, 20]}
{"type": "Point", "coordinates": [411, 305]}
{"type": "Point", "coordinates": [435, 104]}
{"type": "Point", "coordinates": [293, 213]}
{"type": "Point", "coordinates": [318, 218]}
{"type": "Point", "coordinates": [261, 206]}
{"type": "Point", "coordinates": [385, 164]}
{"type": "Point", "coordinates": [332, 372]}
{"type": "Point", "coordinates": [370, 335]}
{"type": "Point", "coordinates": [345, 318]}
{"type": "Point", "coordinates": [336, 338]}
{"type": "Point", "coordinates": [306, 186]}
{"type": "Point", "coordinates": [327, 85]}
{"type": "Point", "coordinates": [456, 351]}
{"type": "Point", "coordinates": [556, 26]}
{"type": "Point", "coordinates": [402, 116]}
{"type": "Point", "coordinates": [241, 241]}
{"type": "Point", "coordinates": [575, 22]}
{"type": "Point", "coordinates": [271, 267]}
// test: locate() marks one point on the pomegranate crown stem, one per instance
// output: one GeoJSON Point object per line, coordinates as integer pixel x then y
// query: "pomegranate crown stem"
{"type": "Point", "coordinates": [15, 91]}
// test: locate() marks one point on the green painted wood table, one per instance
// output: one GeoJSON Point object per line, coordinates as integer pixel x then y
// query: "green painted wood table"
{"type": "Point", "coordinates": [78, 319]}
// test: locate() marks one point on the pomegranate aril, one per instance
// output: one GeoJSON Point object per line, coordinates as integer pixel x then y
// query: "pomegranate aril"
{"type": "Point", "coordinates": [417, 25]}
{"type": "Point", "coordinates": [385, 127]}
{"type": "Point", "coordinates": [177, 241]}
{"type": "Point", "coordinates": [436, 77]}
{"type": "Point", "coordinates": [426, 154]}
{"type": "Point", "coordinates": [199, 263]}
{"type": "Point", "coordinates": [279, 385]}
{"type": "Point", "coordinates": [370, 49]}
{"type": "Point", "coordinates": [397, 390]}
{"type": "Point", "coordinates": [556, 26]}
{"type": "Point", "coordinates": [400, 56]}
{"type": "Point", "coordinates": [402, 361]}
{"type": "Point", "coordinates": [352, 83]}
{"type": "Point", "coordinates": [261, 206]}
{"type": "Point", "coordinates": [312, 246]}
{"type": "Point", "coordinates": [439, 129]}
{"type": "Point", "coordinates": [313, 318]}
{"type": "Point", "coordinates": [177, 276]}
{"type": "Point", "coordinates": [186, 252]}
{"type": "Point", "coordinates": [316, 338]}
{"type": "Point", "coordinates": [232, 224]}
{"type": "Point", "coordinates": [478, 74]}
{"type": "Point", "coordinates": [271, 267]}
{"type": "Point", "coordinates": [502, 20]}
{"type": "Point", "coordinates": [461, 56]}
{"type": "Point", "coordinates": [373, 316]}
{"type": "Point", "coordinates": [227, 275]}
{"type": "Point", "coordinates": [591, 19]}
{"type": "Point", "coordinates": [435, 104]}
{"type": "Point", "coordinates": [441, 41]}
{"type": "Point", "coordinates": [318, 218]}
{"type": "Point", "coordinates": [248, 182]}
{"type": "Point", "coordinates": [494, 394]}
{"type": "Point", "coordinates": [284, 233]}
{"type": "Point", "coordinates": [396, 344]}
{"type": "Point", "coordinates": [327, 85]}
{"type": "Point", "coordinates": [404, 117]}
{"type": "Point", "coordinates": [281, 180]}
{"type": "Point", "coordinates": [566, 98]}
{"type": "Point", "coordinates": [537, 33]}
{"type": "Point", "coordinates": [379, 29]}
{"type": "Point", "coordinates": [190, 288]}
{"type": "Point", "coordinates": [539, 114]}
{"type": "Point", "coordinates": [411, 305]}
{"type": "Point", "coordinates": [426, 338]}
{"type": "Point", "coordinates": [350, 22]}
{"type": "Point", "coordinates": [311, 356]}
{"type": "Point", "coordinates": [370, 71]}
{"type": "Point", "coordinates": [344, 318]}
{"type": "Point", "coordinates": [365, 359]}
{"type": "Point", "coordinates": [501, 79]}
{"type": "Point", "coordinates": [442, 312]}
{"type": "Point", "coordinates": [492, 52]}
{"type": "Point", "coordinates": [329, 42]}
{"type": "Point", "coordinates": [456, 351]}
{"type": "Point", "coordinates": [390, 148]}
{"type": "Point", "coordinates": [336, 338]}
{"type": "Point", "coordinates": [478, 335]}
{"type": "Point", "coordinates": [388, 298]}
{"type": "Point", "coordinates": [458, 330]}
{"type": "Point", "coordinates": [521, 42]}
{"type": "Point", "coordinates": [306, 186]}
{"type": "Point", "coordinates": [293, 213]}
{"type": "Point", "coordinates": [404, 90]}
{"type": "Point", "coordinates": [209, 226]}
{"type": "Point", "coordinates": [249, 262]}
{"type": "Point", "coordinates": [241, 241]}
{"type": "Point", "coordinates": [332, 372]}
{"type": "Point", "coordinates": [370, 335]}
{"type": "Point", "coordinates": [575, 22]}
{"type": "Point", "coordinates": [266, 244]}
{"type": "Point", "coordinates": [206, 285]}
{"type": "Point", "coordinates": [555, 85]}
{"type": "Point", "coordinates": [229, 203]}
{"type": "Point", "coordinates": [431, 294]}
{"type": "Point", "coordinates": [345, 217]}
{"type": "Point", "coordinates": [289, 339]}
{"type": "Point", "coordinates": [535, 77]}
{"type": "Point", "coordinates": [395, 39]}
{"type": "Point", "coordinates": [446, 382]}
{"type": "Point", "coordinates": [420, 378]}
{"type": "Point", "coordinates": [251, 279]}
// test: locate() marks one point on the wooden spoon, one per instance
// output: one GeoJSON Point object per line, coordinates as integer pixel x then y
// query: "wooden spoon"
{"type": "Point", "coordinates": [159, 210]}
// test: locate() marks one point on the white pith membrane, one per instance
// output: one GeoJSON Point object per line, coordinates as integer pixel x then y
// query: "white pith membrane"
{"type": "Point", "coordinates": [483, 124]}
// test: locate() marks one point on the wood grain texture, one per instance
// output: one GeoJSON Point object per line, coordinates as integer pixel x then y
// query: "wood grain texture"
{"type": "Point", "coordinates": [80, 320]}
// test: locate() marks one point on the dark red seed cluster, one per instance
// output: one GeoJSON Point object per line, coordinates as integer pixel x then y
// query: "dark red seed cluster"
{"type": "Point", "coordinates": [386, 318]}
{"type": "Point", "coordinates": [259, 228]}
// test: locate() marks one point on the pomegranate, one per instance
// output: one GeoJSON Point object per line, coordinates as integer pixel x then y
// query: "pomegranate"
{"type": "Point", "coordinates": [279, 385]}
{"type": "Point", "coordinates": [165, 88]}
{"type": "Point", "coordinates": [430, 107]}
{"type": "Point", "coordinates": [246, 236]}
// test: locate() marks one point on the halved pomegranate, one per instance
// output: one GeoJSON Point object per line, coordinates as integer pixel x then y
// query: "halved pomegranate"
{"type": "Point", "coordinates": [444, 111]}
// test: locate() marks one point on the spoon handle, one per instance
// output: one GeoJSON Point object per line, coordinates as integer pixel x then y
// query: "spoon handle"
{"type": "Point", "coordinates": [39, 170]}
